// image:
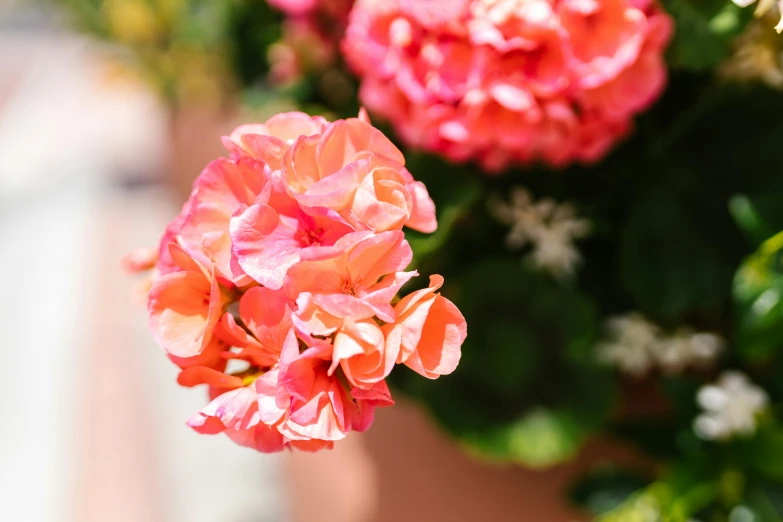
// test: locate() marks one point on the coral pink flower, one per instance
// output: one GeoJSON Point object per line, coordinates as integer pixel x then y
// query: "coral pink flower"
{"type": "Point", "coordinates": [270, 140]}
{"type": "Point", "coordinates": [185, 307]}
{"type": "Point", "coordinates": [300, 399]}
{"type": "Point", "coordinates": [223, 188]}
{"type": "Point", "coordinates": [353, 169]}
{"type": "Point", "coordinates": [378, 396]}
{"type": "Point", "coordinates": [304, 47]}
{"type": "Point", "coordinates": [170, 235]}
{"type": "Point", "coordinates": [357, 277]}
{"type": "Point", "coordinates": [310, 38]}
{"type": "Point", "coordinates": [267, 243]}
{"type": "Point", "coordinates": [361, 351]}
{"type": "Point", "coordinates": [266, 315]}
{"type": "Point", "coordinates": [503, 81]}
{"type": "Point", "coordinates": [287, 257]}
{"type": "Point", "coordinates": [308, 405]}
{"type": "Point", "coordinates": [235, 413]}
{"type": "Point", "coordinates": [349, 177]}
{"type": "Point", "coordinates": [428, 332]}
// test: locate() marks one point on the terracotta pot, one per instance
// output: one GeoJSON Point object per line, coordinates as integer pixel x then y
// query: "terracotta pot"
{"type": "Point", "coordinates": [405, 470]}
{"type": "Point", "coordinates": [194, 141]}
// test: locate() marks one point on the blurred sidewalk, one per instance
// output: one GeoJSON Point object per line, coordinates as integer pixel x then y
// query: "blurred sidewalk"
{"type": "Point", "coordinates": [93, 422]}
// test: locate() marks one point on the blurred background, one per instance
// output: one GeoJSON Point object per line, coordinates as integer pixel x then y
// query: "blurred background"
{"type": "Point", "coordinates": [108, 111]}
{"type": "Point", "coordinates": [92, 424]}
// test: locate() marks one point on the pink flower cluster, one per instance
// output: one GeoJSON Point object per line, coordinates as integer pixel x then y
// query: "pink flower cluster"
{"type": "Point", "coordinates": [310, 40]}
{"type": "Point", "coordinates": [303, 48]}
{"type": "Point", "coordinates": [333, 8]}
{"type": "Point", "coordinates": [509, 81]}
{"type": "Point", "coordinates": [288, 257]}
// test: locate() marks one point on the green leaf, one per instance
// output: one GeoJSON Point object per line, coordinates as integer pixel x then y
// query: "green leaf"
{"type": "Point", "coordinates": [704, 30]}
{"type": "Point", "coordinates": [640, 507]}
{"type": "Point", "coordinates": [671, 499]}
{"type": "Point", "coordinates": [512, 367]}
{"type": "Point", "coordinates": [766, 504]}
{"type": "Point", "coordinates": [747, 215]}
{"type": "Point", "coordinates": [671, 260]}
{"type": "Point", "coordinates": [524, 327]}
{"type": "Point", "coordinates": [252, 28]}
{"type": "Point", "coordinates": [758, 295]}
{"type": "Point", "coordinates": [655, 436]}
{"type": "Point", "coordinates": [765, 452]}
{"type": "Point", "coordinates": [449, 213]}
{"type": "Point", "coordinates": [454, 192]}
{"type": "Point", "coordinates": [540, 439]}
{"type": "Point", "coordinates": [606, 488]}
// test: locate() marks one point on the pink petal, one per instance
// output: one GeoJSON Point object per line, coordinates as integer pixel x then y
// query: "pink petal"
{"type": "Point", "coordinates": [423, 213]}
{"type": "Point", "coordinates": [264, 244]}
{"type": "Point", "coordinates": [196, 375]}
{"type": "Point", "coordinates": [378, 255]}
{"type": "Point", "coordinates": [235, 409]}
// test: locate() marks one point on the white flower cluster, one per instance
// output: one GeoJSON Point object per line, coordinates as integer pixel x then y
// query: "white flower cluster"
{"type": "Point", "coordinates": [549, 227]}
{"type": "Point", "coordinates": [764, 7]}
{"type": "Point", "coordinates": [757, 56]}
{"type": "Point", "coordinates": [731, 406]}
{"type": "Point", "coordinates": [635, 346]}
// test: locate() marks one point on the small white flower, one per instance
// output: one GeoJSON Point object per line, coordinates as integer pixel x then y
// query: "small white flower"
{"type": "Point", "coordinates": [757, 55]}
{"type": "Point", "coordinates": [742, 514]}
{"type": "Point", "coordinates": [685, 349]}
{"type": "Point", "coordinates": [550, 228]}
{"type": "Point", "coordinates": [554, 251]}
{"type": "Point", "coordinates": [636, 346]}
{"type": "Point", "coordinates": [764, 7]}
{"type": "Point", "coordinates": [731, 406]}
{"type": "Point", "coordinates": [630, 344]}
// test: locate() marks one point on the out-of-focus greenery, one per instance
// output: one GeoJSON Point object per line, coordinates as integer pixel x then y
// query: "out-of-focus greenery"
{"type": "Point", "coordinates": [685, 214]}
{"type": "Point", "coordinates": [704, 31]}
{"type": "Point", "coordinates": [200, 51]}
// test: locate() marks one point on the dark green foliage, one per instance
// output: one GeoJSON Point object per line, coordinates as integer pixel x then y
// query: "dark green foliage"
{"type": "Point", "coordinates": [684, 215]}
{"type": "Point", "coordinates": [704, 31]}
{"type": "Point", "coordinates": [758, 292]}
{"type": "Point", "coordinates": [665, 241]}
{"type": "Point", "coordinates": [606, 487]}
{"type": "Point", "coordinates": [254, 26]}
{"type": "Point", "coordinates": [691, 269]}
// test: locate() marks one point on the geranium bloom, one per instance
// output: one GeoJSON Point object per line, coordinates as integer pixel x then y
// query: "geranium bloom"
{"type": "Point", "coordinates": [269, 141]}
{"type": "Point", "coordinates": [356, 278]}
{"type": "Point", "coordinates": [185, 306]}
{"type": "Point", "coordinates": [303, 48]}
{"type": "Point", "coordinates": [428, 332]}
{"type": "Point", "coordinates": [309, 41]}
{"type": "Point", "coordinates": [354, 170]}
{"type": "Point", "coordinates": [266, 317]}
{"type": "Point", "coordinates": [349, 177]}
{"type": "Point", "coordinates": [286, 259]}
{"type": "Point", "coordinates": [224, 187]}
{"type": "Point", "coordinates": [503, 81]}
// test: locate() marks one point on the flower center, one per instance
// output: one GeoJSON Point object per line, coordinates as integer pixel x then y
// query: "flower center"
{"type": "Point", "coordinates": [347, 288]}
{"type": "Point", "coordinates": [310, 237]}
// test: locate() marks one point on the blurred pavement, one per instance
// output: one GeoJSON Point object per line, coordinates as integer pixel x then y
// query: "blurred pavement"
{"type": "Point", "coordinates": [93, 422]}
